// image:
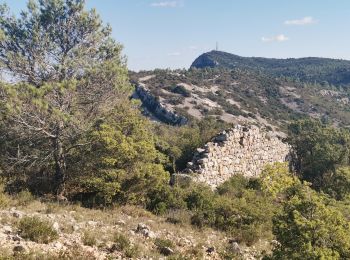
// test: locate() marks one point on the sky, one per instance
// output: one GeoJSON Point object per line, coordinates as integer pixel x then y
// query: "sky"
{"type": "Point", "coordinates": [172, 33]}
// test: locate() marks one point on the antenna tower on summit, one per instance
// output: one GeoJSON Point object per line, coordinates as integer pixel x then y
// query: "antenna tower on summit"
{"type": "Point", "coordinates": [217, 46]}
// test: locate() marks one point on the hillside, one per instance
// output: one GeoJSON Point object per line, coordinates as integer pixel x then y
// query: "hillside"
{"type": "Point", "coordinates": [85, 175]}
{"type": "Point", "coordinates": [306, 69]}
{"type": "Point", "coordinates": [128, 232]}
{"type": "Point", "coordinates": [244, 96]}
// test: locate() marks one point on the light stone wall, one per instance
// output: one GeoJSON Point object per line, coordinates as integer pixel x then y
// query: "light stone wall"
{"type": "Point", "coordinates": [241, 150]}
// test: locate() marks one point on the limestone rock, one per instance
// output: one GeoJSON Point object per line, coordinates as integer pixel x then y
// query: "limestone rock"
{"type": "Point", "coordinates": [145, 231]}
{"type": "Point", "coordinates": [56, 226]}
{"type": "Point", "coordinates": [7, 230]}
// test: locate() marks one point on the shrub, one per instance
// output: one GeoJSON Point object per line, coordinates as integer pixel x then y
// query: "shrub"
{"type": "Point", "coordinates": [178, 217]}
{"type": "Point", "coordinates": [5, 200]}
{"type": "Point", "coordinates": [37, 230]}
{"type": "Point", "coordinates": [24, 198]}
{"type": "Point", "coordinates": [122, 243]}
{"type": "Point", "coordinates": [132, 251]}
{"type": "Point", "coordinates": [276, 178]}
{"type": "Point", "coordinates": [163, 198]}
{"type": "Point", "coordinates": [233, 187]}
{"type": "Point", "coordinates": [89, 238]}
{"type": "Point", "coordinates": [162, 244]}
{"type": "Point", "coordinates": [307, 228]}
{"type": "Point", "coordinates": [181, 90]}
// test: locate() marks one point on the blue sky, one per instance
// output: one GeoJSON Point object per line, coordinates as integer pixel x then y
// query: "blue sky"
{"type": "Point", "coordinates": [172, 33]}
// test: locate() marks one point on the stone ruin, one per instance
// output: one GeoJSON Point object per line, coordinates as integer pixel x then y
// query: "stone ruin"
{"type": "Point", "coordinates": [242, 150]}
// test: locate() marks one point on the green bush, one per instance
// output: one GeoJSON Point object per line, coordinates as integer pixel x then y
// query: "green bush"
{"type": "Point", "coordinates": [317, 151]}
{"type": "Point", "coordinates": [132, 251]}
{"type": "Point", "coordinates": [89, 238]}
{"type": "Point", "coordinates": [181, 90]}
{"type": "Point", "coordinates": [161, 244]}
{"type": "Point", "coordinates": [199, 198]}
{"type": "Point", "coordinates": [122, 243]}
{"type": "Point", "coordinates": [234, 186]}
{"type": "Point", "coordinates": [37, 230]}
{"type": "Point", "coordinates": [309, 228]}
{"type": "Point", "coordinates": [178, 216]}
{"type": "Point", "coordinates": [163, 198]}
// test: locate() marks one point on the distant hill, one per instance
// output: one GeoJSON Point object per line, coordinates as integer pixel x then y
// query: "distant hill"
{"type": "Point", "coordinates": [245, 96]}
{"type": "Point", "coordinates": [310, 69]}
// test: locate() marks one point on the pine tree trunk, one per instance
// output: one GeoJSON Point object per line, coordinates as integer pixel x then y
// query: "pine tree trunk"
{"type": "Point", "coordinates": [60, 165]}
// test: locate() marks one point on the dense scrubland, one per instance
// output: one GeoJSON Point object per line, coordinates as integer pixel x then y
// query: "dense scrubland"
{"type": "Point", "coordinates": [76, 151]}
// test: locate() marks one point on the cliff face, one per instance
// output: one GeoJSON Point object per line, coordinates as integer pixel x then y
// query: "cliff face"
{"type": "Point", "coordinates": [241, 150]}
{"type": "Point", "coordinates": [159, 110]}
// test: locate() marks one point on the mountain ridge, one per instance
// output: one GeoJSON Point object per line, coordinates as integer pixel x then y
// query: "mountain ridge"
{"type": "Point", "coordinates": [310, 69]}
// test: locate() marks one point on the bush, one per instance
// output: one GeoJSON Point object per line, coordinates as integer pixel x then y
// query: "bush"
{"type": "Point", "coordinates": [178, 217]}
{"type": "Point", "coordinates": [89, 238]}
{"type": "Point", "coordinates": [122, 243]}
{"type": "Point", "coordinates": [163, 198]}
{"type": "Point", "coordinates": [276, 178]}
{"type": "Point", "coordinates": [24, 198]}
{"type": "Point", "coordinates": [132, 251]}
{"type": "Point", "coordinates": [233, 187]}
{"type": "Point", "coordinates": [199, 198]}
{"type": "Point", "coordinates": [317, 151]}
{"type": "Point", "coordinates": [37, 230]}
{"type": "Point", "coordinates": [308, 228]}
{"type": "Point", "coordinates": [5, 200]}
{"type": "Point", "coordinates": [162, 244]}
{"type": "Point", "coordinates": [181, 90]}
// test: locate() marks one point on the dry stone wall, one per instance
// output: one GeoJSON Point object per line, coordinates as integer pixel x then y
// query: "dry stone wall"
{"type": "Point", "coordinates": [241, 150]}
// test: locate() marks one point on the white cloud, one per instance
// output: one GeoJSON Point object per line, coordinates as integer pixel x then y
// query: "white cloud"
{"type": "Point", "coordinates": [303, 21]}
{"type": "Point", "coordinates": [193, 47]}
{"type": "Point", "coordinates": [276, 38]}
{"type": "Point", "coordinates": [174, 54]}
{"type": "Point", "coordinates": [166, 4]}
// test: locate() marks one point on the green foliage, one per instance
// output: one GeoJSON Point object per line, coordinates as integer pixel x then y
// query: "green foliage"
{"type": "Point", "coordinates": [70, 74]}
{"type": "Point", "coordinates": [122, 243]}
{"type": "Point", "coordinates": [337, 184]}
{"type": "Point", "coordinates": [238, 207]}
{"type": "Point", "coordinates": [309, 229]}
{"type": "Point", "coordinates": [179, 144]}
{"type": "Point", "coordinates": [37, 230]}
{"type": "Point", "coordinates": [163, 198]}
{"type": "Point", "coordinates": [132, 251]}
{"type": "Point", "coordinates": [55, 41]}
{"type": "Point", "coordinates": [318, 150]}
{"type": "Point", "coordinates": [121, 159]}
{"type": "Point", "coordinates": [276, 178]}
{"type": "Point", "coordinates": [234, 187]}
{"type": "Point", "coordinates": [161, 244]}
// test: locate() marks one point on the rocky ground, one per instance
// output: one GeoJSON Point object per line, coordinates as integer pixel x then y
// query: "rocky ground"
{"type": "Point", "coordinates": [122, 233]}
